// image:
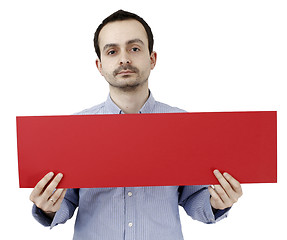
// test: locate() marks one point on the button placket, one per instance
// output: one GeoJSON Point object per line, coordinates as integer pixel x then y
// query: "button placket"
{"type": "Point", "coordinates": [130, 213]}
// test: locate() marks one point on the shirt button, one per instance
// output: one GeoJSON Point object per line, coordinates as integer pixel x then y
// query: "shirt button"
{"type": "Point", "coordinates": [130, 224]}
{"type": "Point", "coordinates": [130, 194]}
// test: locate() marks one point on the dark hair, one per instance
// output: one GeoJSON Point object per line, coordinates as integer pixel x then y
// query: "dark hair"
{"type": "Point", "coordinates": [121, 15]}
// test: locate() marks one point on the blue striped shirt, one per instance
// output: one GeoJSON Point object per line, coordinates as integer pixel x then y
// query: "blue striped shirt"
{"type": "Point", "coordinates": [132, 213]}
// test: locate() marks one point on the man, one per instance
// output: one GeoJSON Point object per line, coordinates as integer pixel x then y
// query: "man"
{"type": "Point", "coordinates": [124, 45]}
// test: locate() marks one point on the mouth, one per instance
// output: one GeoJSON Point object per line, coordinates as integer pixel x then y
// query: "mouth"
{"type": "Point", "coordinates": [125, 72]}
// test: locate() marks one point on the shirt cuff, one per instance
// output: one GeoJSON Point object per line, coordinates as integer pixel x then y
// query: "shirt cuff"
{"type": "Point", "coordinates": [217, 215]}
{"type": "Point", "coordinates": [40, 216]}
{"type": "Point", "coordinates": [220, 214]}
{"type": "Point", "coordinates": [61, 216]}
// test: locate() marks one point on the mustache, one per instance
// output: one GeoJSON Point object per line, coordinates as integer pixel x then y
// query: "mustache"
{"type": "Point", "coordinates": [124, 68]}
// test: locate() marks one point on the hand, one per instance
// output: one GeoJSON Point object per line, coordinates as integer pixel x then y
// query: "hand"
{"type": "Point", "coordinates": [46, 197]}
{"type": "Point", "coordinates": [227, 193]}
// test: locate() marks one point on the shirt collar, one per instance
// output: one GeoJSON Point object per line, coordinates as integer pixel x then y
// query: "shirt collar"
{"type": "Point", "coordinates": [112, 108]}
{"type": "Point", "coordinates": [149, 104]}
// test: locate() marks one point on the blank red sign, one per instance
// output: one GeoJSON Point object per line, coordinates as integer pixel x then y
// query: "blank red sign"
{"type": "Point", "coordinates": [148, 149]}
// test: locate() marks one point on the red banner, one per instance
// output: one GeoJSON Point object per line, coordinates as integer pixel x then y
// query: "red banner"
{"type": "Point", "coordinates": [148, 149]}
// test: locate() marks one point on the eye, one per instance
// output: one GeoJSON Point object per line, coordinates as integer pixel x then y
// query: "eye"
{"type": "Point", "coordinates": [135, 49]}
{"type": "Point", "coordinates": [111, 52]}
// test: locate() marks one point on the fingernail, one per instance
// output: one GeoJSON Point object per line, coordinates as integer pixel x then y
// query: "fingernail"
{"type": "Point", "coordinates": [60, 175]}
{"type": "Point", "coordinates": [51, 174]}
{"type": "Point", "coordinates": [215, 171]}
{"type": "Point", "coordinates": [225, 174]}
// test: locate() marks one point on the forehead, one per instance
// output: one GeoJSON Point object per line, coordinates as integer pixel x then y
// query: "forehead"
{"type": "Point", "coordinates": [120, 32]}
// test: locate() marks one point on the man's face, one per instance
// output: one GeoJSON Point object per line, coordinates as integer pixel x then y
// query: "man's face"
{"type": "Point", "coordinates": [125, 59]}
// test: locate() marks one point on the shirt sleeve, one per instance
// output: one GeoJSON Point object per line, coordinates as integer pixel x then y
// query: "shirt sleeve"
{"type": "Point", "coordinates": [196, 202]}
{"type": "Point", "coordinates": [66, 211]}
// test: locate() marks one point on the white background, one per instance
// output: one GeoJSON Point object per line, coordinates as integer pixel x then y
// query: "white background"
{"type": "Point", "coordinates": [212, 56]}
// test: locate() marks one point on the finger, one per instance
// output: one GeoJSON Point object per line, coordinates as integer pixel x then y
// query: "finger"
{"type": "Point", "coordinates": [40, 186]}
{"type": "Point", "coordinates": [223, 182]}
{"type": "Point", "coordinates": [57, 205]}
{"type": "Point", "coordinates": [61, 197]}
{"type": "Point", "coordinates": [214, 194]}
{"type": "Point", "coordinates": [233, 183]}
{"type": "Point", "coordinates": [56, 195]}
{"type": "Point", "coordinates": [223, 195]}
{"type": "Point", "coordinates": [51, 188]}
{"type": "Point", "coordinates": [216, 201]}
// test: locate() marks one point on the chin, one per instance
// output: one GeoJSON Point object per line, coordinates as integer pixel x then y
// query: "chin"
{"type": "Point", "coordinates": [127, 83]}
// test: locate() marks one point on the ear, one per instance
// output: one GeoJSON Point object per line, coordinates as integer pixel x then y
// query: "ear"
{"type": "Point", "coordinates": [99, 65]}
{"type": "Point", "coordinates": [153, 58]}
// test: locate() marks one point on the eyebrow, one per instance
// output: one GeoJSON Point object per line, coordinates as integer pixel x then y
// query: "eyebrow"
{"type": "Point", "coordinates": [110, 45]}
{"type": "Point", "coordinates": [136, 40]}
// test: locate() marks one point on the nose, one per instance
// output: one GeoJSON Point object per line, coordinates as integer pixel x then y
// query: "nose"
{"type": "Point", "coordinates": [124, 59]}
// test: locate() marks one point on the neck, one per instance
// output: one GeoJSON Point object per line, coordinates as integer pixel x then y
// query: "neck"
{"type": "Point", "coordinates": [130, 101]}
